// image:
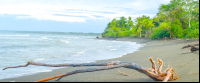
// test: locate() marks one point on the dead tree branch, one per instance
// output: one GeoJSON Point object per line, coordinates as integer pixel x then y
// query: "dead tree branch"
{"type": "Point", "coordinates": [194, 48]}
{"type": "Point", "coordinates": [157, 75]}
{"type": "Point", "coordinates": [189, 45]}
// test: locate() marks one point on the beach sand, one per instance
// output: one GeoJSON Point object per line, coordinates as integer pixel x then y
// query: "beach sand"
{"type": "Point", "coordinates": [171, 52]}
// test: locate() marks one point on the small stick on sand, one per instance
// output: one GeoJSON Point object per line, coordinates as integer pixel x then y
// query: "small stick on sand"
{"type": "Point", "coordinates": [124, 73]}
{"type": "Point", "coordinates": [165, 39]}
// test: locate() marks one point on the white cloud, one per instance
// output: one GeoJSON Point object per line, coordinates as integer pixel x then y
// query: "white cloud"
{"type": "Point", "coordinates": [77, 10]}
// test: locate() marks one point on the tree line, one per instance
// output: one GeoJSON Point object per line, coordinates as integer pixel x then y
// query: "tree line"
{"type": "Point", "coordinates": [179, 18]}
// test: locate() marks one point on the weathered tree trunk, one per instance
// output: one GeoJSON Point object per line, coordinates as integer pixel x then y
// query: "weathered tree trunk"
{"type": "Point", "coordinates": [146, 34]}
{"type": "Point", "coordinates": [140, 34]}
{"type": "Point", "coordinates": [170, 35]}
{"type": "Point", "coordinates": [189, 22]}
{"type": "Point", "coordinates": [189, 45]}
{"type": "Point", "coordinates": [189, 19]}
{"type": "Point", "coordinates": [157, 75]}
{"type": "Point", "coordinates": [194, 48]}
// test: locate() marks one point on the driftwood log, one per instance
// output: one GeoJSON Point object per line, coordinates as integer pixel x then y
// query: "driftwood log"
{"type": "Point", "coordinates": [190, 45]}
{"type": "Point", "coordinates": [193, 47]}
{"type": "Point", "coordinates": [168, 75]}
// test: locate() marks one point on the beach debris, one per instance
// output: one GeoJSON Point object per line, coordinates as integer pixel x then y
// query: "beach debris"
{"type": "Point", "coordinates": [166, 39]}
{"type": "Point", "coordinates": [168, 75]}
{"type": "Point", "coordinates": [178, 39]}
{"type": "Point", "coordinates": [124, 73]}
{"type": "Point", "coordinates": [186, 39]}
{"type": "Point", "coordinates": [190, 45]}
{"type": "Point", "coordinates": [193, 47]}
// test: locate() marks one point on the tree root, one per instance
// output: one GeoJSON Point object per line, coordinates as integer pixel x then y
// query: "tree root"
{"type": "Point", "coordinates": [168, 75]}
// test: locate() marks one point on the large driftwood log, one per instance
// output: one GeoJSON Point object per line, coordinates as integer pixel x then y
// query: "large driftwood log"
{"type": "Point", "coordinates": [168, 75]}
{"type": "Point", "coordinates": [189, 45]}
{"type": "Point", "coordinates": [194, 48]}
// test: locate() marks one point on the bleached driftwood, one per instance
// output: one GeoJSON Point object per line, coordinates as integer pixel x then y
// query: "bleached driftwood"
{"type": "Point", "coordinates": [168, 75]}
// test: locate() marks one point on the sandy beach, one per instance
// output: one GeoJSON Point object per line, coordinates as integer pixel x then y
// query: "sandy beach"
{"type": "Point", "coordinates": [171, 52]}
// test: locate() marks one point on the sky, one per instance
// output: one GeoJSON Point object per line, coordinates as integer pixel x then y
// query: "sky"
{"type": "Point", "coordinates": [87, 16]}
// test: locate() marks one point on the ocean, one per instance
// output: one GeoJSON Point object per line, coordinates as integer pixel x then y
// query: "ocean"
{"type": "Point", "coordinates": [19, 47]}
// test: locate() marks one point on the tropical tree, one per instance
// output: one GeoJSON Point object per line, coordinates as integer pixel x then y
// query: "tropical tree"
{"type": "Point", "coordinates": [176, 29]}
{"type": "Point", "coordinates": [190, 7]}
{"type": "Point", "coordinates": [167, 26]}
{"type": "Point", "coordinates": [140, 25]}
{"type": "Point", "coordinates": [147, 23]}
{"type": "Point", "coordinates": [173, 12]}
{"type": "Point", "coordinates": [122, 23]}
{"type": "Point", "coordinates": [178, 18]}
{"type": "Point", "coordinates": [130, 23]}
{"type": "Point", "coordinates": [114, 28]}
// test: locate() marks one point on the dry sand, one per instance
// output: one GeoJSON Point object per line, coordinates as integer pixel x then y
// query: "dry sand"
{"type": "Point", "coordinates": [184, 63]}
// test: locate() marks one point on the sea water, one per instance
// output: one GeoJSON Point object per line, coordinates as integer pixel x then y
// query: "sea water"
{"type": "Point", "coordinates": [19, 47]}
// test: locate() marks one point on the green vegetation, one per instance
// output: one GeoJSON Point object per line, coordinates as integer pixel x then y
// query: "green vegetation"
{"type": "Point", "coordinates": [179, 18]}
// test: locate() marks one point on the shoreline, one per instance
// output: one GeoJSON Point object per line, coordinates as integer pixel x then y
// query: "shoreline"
{"type": "Point", "coordinates": [186, 65]}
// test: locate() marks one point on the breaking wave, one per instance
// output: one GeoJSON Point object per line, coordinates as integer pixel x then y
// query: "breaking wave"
{"type": "Point", "coordinates": [14, 35]}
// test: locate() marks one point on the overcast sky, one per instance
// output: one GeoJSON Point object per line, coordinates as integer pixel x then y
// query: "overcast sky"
{"type": "Point", "coordinates": [71, 15]}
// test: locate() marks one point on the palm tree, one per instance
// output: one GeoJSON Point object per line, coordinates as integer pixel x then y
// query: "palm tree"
{"type": "Point", "coordinates": [130, 23]}
{"type": "Point", "coordinates": [123, 22]}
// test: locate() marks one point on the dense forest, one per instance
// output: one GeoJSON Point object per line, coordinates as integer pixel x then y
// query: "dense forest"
{"type": "Point", "coordinates": [178, 18]}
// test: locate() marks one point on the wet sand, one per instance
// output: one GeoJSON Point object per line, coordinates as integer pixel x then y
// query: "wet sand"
{"type": "Point", "coordinates": [184, 63]}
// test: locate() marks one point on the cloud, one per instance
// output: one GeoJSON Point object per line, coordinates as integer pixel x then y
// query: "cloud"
{"type": "Point", "coordinates": [78, 10]}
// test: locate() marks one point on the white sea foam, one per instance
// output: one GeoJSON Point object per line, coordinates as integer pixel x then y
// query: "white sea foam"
{"type": "Point", "coordinates": [116, 41]}
{"type": "Point", "coordinates": [47, 71]}
{"type": "Point", "coordinates": [113, 49]}
{"type": "Point", "coordinates": [21, 74]}
{"type": "Point", "coordinates": [101, 40]}
{"type": "Point", "coordinates": [14, 35]}
{"type": "Point", "coordinates": [81, 52]}
{"type": "Point", "coordinates": [64, 41]}
{"type": "Point", "coordinates": [46, 38]}
{"type": "Point", "coordinates": [132, 44]}
{"type": "Point", "coordinates": [72, 37]}
{"type": "Point", "coordinates": [39, 59]}
{"type": "Point", "coordinates": [31, 72]}
{"type": "Point", "coordinates": [57, 56]}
